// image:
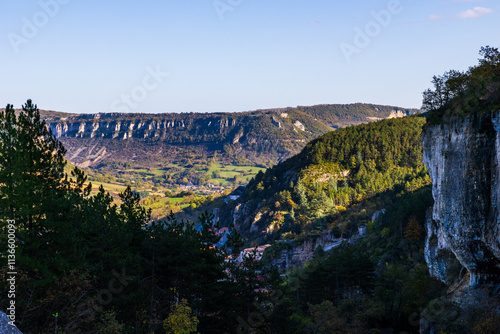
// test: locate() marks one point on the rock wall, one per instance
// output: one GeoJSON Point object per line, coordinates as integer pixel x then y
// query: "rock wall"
{"type": "Point", "coordinates": [258, 136]}
{"type": "Point", "coordinates": [462, 157]}
{"type": "Point", "coordinates": [296, 254]}
{"type": "Point", "coordinates": [122, 126]}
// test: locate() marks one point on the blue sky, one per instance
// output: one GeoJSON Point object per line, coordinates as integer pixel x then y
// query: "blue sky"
{"type": "Point", "coordinates": [234, 55]}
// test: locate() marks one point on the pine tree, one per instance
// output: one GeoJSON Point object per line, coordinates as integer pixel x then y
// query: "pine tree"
{"type": "Point", "coordinates": [33, 167]}
{"type": "Point", "coordinates": [8, 175]}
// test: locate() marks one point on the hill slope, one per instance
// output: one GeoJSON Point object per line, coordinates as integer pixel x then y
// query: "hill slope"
{"type": "Point", "coordinates": [261, 137]}
{"type": "Point", "coordinates": [333, 172]}
{"type": "Point", "coordinates": [341, 115]}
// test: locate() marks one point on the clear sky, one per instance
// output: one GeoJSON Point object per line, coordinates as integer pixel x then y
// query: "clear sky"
{"type": "Point", "coordinates": [234, 55]}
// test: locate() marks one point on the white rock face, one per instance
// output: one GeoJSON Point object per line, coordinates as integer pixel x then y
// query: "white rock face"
{"type": "Point", "coordinates": [81, 129]}
{"type": "Point", "coordinates": [462, 158]}
{"type": "Point", "coordinates": [397, 114]}
{"type": "Point", "coordinates": [300, 125]}
{"type": "Point", "coordinates": [441, 261]}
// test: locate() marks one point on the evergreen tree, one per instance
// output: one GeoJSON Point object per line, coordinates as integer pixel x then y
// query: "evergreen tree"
{"type": "Point", "coordinates": [300, 190]}
{"type": "Point", "coordinates": [32, 168]}
{"type": "Point", "coordinates": [180, 320]}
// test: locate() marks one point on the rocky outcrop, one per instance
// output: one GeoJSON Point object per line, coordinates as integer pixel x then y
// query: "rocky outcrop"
{"type": "Point", "coordinates": [122, 126]}
{"type": "Point", "coordinates": [463, 160]}
{"type": "Point", "coordinates": [299, 126]}
{"type": "Point", "coordinates": [295, 254]}
{"type": "Point", "coordinates": [399, 113]}
{"type": "Point", "coordinates": [5, 327]}
{"type": "Point", "coordinates": [240, 211]}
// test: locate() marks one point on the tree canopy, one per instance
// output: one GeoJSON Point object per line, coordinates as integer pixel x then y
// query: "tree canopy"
{"type": "Point", "coordinates": [475, 91]}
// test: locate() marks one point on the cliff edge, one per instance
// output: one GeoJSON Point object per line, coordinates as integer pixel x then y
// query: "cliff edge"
{"type": "Point", "coordinates": [463, 160]}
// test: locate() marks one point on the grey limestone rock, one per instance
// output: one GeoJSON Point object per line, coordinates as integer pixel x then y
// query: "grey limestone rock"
{"type": "Point", "coordinates": [462, 157]}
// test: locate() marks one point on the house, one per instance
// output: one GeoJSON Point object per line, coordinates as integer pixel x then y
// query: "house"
{"type": "Point", "coordinates": [224, 233]}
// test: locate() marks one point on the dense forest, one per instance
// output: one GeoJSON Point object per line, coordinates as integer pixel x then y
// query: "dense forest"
{"type": "Point", "coordinates": [377, 284]}
{"type": "Point", "coordinates": [311, 191]}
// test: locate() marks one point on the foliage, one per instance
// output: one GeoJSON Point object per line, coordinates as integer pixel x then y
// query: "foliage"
{"type": "Point", "coordinates": [325, 319]}
{"type": "Point", "coordinates": [377, 282]}
{"type": "Point", "coordinates": [103, 267]}
{"type": "Point", "coordinates": [475, 91]}
{"type": "Point", "coordinates": [414, 230]}
{"type": "Point", "coordinates": [180, 320]}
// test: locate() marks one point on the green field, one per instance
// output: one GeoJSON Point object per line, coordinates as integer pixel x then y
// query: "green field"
{"type": "Point", "coordinates": [151, 182]}
{"type": "Point", "coordinates": [111, 187]}
{"type": "Point", "coordinates": [226, 174]}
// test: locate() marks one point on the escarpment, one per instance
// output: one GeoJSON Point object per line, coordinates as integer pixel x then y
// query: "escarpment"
{"type": "Point", "coordinates": [122, 126]}
{"type": "Point", "coordinates": [259, 137]}
{"type": "Point", "coordinates": [252, 137]}
{"type": "Point", "coordinates": [463, 160]}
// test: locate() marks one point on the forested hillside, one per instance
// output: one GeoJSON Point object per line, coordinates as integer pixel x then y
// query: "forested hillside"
{"type": "Point", "coordinates": [309, 191]}
{"type": "Point", "coordinates": [342, 115]}
{"type": "Point", "coordinates": [178, 160]}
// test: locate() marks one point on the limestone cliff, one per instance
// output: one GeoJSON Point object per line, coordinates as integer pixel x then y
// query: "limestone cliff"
{"type": "Point", "coordinates": [463, 160]}
{"type": "Point", "coordinates": [124, 126]}
{"type": "Point", "coordinates": [290, 254]}
{"type": "Point", "coordinates": [258, 136]}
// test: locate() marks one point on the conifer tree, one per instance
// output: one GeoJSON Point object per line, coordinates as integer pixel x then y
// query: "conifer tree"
{"type": "Point", "coordinates": [32, 166]}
